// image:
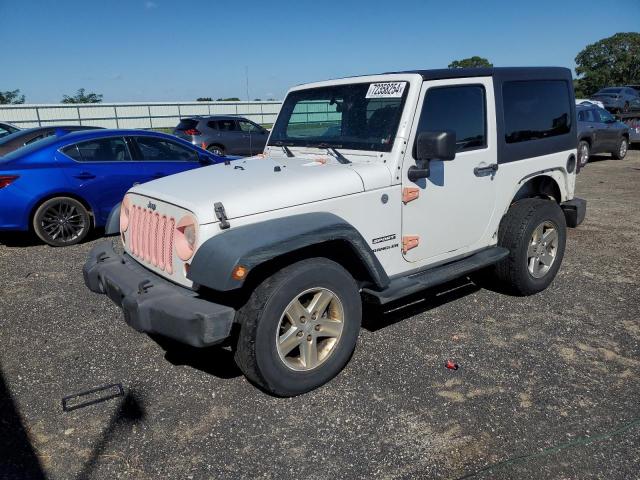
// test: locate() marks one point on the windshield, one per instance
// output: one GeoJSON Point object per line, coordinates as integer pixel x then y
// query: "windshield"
{"type": "Point", "coordinates": [363, 116]}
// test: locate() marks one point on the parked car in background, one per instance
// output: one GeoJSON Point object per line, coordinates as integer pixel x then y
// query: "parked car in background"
{"type": "Point", "coordinates": [63, 186]}
{"type": "Point", "coordinates": [7, 129]}
{"type": "Point", "coordinates": [223, 135]}
{"type": "Point", "coordinates": [618, 99]}
{"type": "Point", "coordinates": [28, 136]}
{"type": "Point", "coordinates": [584, 101]}
{"type": "Point", "coordinates": [600, 132]}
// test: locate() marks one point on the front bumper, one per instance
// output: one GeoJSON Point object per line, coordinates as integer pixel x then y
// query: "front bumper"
{"type": "Point", "coordinates": [152, 304]}
{"type": "Point", "coordinates": [574, 211]}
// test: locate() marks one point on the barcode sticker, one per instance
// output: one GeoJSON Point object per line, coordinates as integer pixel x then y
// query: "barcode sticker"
{"type": "Point", "coordinates": [386, 90]}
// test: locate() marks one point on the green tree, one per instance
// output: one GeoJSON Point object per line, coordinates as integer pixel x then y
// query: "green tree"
{"type": "Point", "coordinates": [230, 99]}
{"type": "Point", "coordinates": [11, 97]}
{"type": "Point", "coordinates": [611, 61]}
{"type": "Point", "coordinates": [82, 97]}
{"type": "Point", "coordinates": [471, 62]}
{"type": "Point", "coordinates": [203, 99]}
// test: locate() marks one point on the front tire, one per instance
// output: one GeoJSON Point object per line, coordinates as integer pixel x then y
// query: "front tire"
{"type": "Point", "coordinates": [61, 221]}
{"type": "Point", "coordinates": [534, 231]}
{"type": "Point", "coordinates": [623, 148]}
{"type": "Point", "coordinates": [299, 327]}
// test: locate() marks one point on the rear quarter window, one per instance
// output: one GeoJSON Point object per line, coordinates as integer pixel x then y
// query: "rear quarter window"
{"type": "Point", "coordinates": [186, 124]}
{"type": "Point", "coordinates": [536, 109]}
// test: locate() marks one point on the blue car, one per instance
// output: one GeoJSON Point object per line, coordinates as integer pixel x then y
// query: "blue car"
{"type": "Point", "coordinates": [63, 186]}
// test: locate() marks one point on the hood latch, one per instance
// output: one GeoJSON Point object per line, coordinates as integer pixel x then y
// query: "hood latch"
{"type": "Point", "coordinates": [222, 215]}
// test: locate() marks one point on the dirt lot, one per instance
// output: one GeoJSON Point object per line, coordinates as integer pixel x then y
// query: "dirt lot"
{"type": "Point", "coordinates": [548, 386]}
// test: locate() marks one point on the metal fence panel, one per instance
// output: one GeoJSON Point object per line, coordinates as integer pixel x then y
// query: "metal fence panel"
{"type": "Point", "coordinates": [133, 115]}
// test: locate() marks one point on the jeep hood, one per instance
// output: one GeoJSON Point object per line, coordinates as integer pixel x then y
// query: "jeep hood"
{"type": "Point", "coordinates": [255, 185]}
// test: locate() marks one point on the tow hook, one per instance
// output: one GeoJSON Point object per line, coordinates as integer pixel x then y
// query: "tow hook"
{"type": "Point", "coordinates": [144, 286]}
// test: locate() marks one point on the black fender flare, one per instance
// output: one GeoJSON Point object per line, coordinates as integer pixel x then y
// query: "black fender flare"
{"type": "Point", "coordinates": [254, 244]}
{"type": "Point", "coordinates": [112, 227]}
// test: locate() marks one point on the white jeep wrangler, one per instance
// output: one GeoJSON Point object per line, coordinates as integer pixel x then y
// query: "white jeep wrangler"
{"type": "Point", "coordinates": [371, 187]}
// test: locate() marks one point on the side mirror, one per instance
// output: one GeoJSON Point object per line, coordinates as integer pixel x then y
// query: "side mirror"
{"type": "Point", "coordinates": [432, 146]}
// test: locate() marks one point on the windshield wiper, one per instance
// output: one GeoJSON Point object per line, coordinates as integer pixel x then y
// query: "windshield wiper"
{"type": "Point", "coordinates": [334, 153]}
{"type": "Point", "coordinates": [285, 148]}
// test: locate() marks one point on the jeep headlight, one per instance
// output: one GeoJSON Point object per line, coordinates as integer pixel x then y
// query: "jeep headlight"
{"type": "Point", "coordinates": [186, 237]}
{"type": "Point", "coordinates": [125, 206]}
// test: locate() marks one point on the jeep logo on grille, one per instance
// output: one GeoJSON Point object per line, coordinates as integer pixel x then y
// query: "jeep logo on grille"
{"type": "Point", "coordinates": [151, 206]}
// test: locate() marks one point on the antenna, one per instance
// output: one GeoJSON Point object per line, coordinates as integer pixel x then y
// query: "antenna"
{"type": "Point", "coordinates": [246, 74]}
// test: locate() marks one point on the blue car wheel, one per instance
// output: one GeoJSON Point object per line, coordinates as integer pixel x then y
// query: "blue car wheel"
{"type": "Point", "coordinates": [61, 221]}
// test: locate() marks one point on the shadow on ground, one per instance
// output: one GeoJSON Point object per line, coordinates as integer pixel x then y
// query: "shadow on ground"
{"type": "Point", "coordinates": [17, 455]}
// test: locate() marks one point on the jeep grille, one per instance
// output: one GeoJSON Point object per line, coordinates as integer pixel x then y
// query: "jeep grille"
{"type": "Point", "coordinates": [151, 237]}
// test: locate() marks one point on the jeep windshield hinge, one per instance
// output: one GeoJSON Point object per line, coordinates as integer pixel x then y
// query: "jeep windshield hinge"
{"type": "Point", "coordinates": [222, 215]}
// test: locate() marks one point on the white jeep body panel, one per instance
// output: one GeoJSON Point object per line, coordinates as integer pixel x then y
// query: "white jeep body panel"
{"type": "Point", "coordinates": [456, 213]}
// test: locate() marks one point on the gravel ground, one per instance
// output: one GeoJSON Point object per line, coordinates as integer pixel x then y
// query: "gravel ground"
{"type": "Point", "coordinates": [548, 385]}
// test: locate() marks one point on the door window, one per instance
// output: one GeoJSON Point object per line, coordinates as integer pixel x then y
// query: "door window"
{"type": "Point", "coordinates": [100, 150]}
{"type": "Point", "coordinates": [461, 109]}
{"type": "Point", "coordinates": [588, 115]}
{"type": "Point", "coordinates": [249, 127]}
{"type": "Point", "coordinates": [160, 150]}
{"type": "Point", "coordinates": [227, 125]}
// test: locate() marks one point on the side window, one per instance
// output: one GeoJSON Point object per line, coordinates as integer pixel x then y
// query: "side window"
{"type": "Point", "coordinates": [535, 109]}
{"type": "Point", "coordinates": [227, 125]}
{"type": "Point", "coordinates": [248, 127]}
{"type": "Point", "coordinates": [604, 117]}
{"type": "Point", "coordinates": [212, 125]}
{"type": "Point", "coordinates": [159, 150]}
{"type": "Point", "coordinates": [100, 150]}
{"type": "Point", "coordinates": [461, 109]}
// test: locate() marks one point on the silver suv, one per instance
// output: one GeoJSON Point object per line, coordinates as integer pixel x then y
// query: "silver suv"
{"type": "Point", "coordinates": [223, 135]}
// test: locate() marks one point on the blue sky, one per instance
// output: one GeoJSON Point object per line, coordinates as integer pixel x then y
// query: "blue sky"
{"type": "Point", "coordinates": [160, 50]}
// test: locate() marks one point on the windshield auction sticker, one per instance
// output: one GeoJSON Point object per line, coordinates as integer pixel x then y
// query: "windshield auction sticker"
{"type": "Point", "coordinates": [386, 90]}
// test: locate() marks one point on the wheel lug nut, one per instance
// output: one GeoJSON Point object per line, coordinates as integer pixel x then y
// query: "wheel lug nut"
{"type": "Point", "coordinates": [302, 319]}
{"type": "Point", "coordinates": [300, 334]}
{"type": "Point", "coordinates": [317, 328]}
{"type": "Point", "coordinates": [309, 337]}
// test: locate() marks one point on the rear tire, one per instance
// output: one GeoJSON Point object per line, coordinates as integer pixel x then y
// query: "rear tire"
{"type": "Point", "coordinates": [285, 345]}
{"type": "Point", "coordinates": [623, 148]}
{"type": "Point", "coordinates": [61, 221]}
{"type": "Point", "coordinates": [216, 150]}
{"type": "Point", "coordinates": [534, 231]}
{"type": "Point", "coordinates": [584, 152]}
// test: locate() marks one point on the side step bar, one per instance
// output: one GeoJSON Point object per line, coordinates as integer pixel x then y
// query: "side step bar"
{"type": "Point", "coordinates": [407, 285]}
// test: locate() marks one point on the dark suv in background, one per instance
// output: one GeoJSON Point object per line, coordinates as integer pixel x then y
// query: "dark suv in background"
{"type": "Point", "coordinates": [600, 132]}
{"type": "Point", "coordinates": [223, 135]}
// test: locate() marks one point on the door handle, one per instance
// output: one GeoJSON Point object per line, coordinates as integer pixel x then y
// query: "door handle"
{"type": "Point", "coordinates": [484, 171]}
{"type": "Point", "coordinates": [85, 176]}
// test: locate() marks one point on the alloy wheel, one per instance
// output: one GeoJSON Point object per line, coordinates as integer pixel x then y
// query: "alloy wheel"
{"type": "Point", "coordinates": [309, 329]}
{"type": "Point", "coordinates": [63, 222]}
{"type": "Point", "coordinates": [543, 248]}
{"type": "Point", "coordinates": [623, 148]}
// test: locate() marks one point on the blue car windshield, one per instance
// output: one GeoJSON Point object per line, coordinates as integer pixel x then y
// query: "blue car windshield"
{"type": "Point", "coordinates": [27, 149]}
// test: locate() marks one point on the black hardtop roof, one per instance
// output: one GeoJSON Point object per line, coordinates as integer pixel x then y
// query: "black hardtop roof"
{"type": "Point", "coordinates": [505, 72]}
